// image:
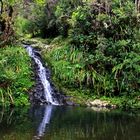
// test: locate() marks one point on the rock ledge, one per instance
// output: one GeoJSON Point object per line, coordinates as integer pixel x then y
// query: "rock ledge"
{"type": "Point", "coordinates": [100, 104]}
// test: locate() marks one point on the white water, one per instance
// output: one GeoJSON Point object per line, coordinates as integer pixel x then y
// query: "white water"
{"type": "Point", "coordinates": [42, 75]}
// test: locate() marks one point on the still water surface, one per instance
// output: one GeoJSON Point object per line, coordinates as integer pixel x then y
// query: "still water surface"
{"type": "Point", "coordinates": [68, 123]}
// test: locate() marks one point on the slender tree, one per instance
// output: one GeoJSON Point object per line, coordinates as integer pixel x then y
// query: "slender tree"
{"type": "Point", "coordinates": [1, 6]}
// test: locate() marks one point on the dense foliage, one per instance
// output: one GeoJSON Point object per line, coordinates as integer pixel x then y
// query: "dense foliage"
{"type": "Point", "coordinates": [15, 68]}
{"type": "Point", "coordinates": [102, 52]}
{"type": "Point", "coordinates": [15, 76]}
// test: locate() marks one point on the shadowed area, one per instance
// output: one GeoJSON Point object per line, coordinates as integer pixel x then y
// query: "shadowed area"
{"type": "Point", "coordinates": [68, 123]}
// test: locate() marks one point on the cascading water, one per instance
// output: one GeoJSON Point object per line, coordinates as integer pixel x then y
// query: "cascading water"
{"type": "Point", "coordinates": [42, 76]}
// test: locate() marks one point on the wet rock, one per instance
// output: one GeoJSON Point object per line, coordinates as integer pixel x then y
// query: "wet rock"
{"type": "Point", "coordinates": [100, 109]}
{"type": "Point", "coordinates": [100, 104]}
{"type": "Point", "coordinates": [35, 43]}
{"type": "Point", "coordinates": [37, 95]}
{"type": "Point", "coordinates": [70, 103]}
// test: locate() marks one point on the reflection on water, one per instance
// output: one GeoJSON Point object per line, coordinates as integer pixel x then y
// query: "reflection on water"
{"type": "Point", "coordinates": [68, 123]}
{"type": "Point", "coordinates": [44, 122]}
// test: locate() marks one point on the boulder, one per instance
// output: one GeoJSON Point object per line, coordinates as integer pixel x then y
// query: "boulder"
{"type": "Point", "coordinates": [100, 104]}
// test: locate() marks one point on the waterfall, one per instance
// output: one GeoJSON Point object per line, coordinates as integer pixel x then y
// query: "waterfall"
{"type": "Point", "coordinates": [42, 76]}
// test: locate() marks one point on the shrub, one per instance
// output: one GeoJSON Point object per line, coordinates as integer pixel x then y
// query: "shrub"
{"type": "Point", "coordinates": [15, 76]}
{"type": "Point", "coordinates": [104, 50]}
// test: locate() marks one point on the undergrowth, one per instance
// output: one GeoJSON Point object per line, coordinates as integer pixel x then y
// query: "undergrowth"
{"type": "Point", "coordinates": [15, 76]}
{"type": "Point", "coordinates": [74, 79]}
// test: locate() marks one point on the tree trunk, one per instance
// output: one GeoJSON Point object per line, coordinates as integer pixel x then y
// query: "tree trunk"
{"type": "Point", "coordinates": [1, 6]}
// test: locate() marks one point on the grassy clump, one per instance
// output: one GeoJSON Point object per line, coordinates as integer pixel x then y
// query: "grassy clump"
{"type": "Point", "coordinates": [71, 77]}
{"type": "Point", "coordinates": [15, 76]}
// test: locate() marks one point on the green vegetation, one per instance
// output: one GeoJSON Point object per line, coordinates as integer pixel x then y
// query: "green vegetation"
{"type": "Point", "coordinates": [67, 77]}
{"type": "Point", "coordinates": [15, 64]}
{"type": "Point", "coordinates": [97, 49]}
{"type": "Point", "coordinates": [15, 76]}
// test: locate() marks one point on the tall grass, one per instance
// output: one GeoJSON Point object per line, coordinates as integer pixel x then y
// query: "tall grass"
{"type": "Point", "coordinates": [76, 67]}
{"type": "Point", "coordinates": [15, 75]}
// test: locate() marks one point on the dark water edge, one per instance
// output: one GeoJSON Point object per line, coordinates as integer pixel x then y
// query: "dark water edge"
{"type": "Point", "coordinates": [68, 123]}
